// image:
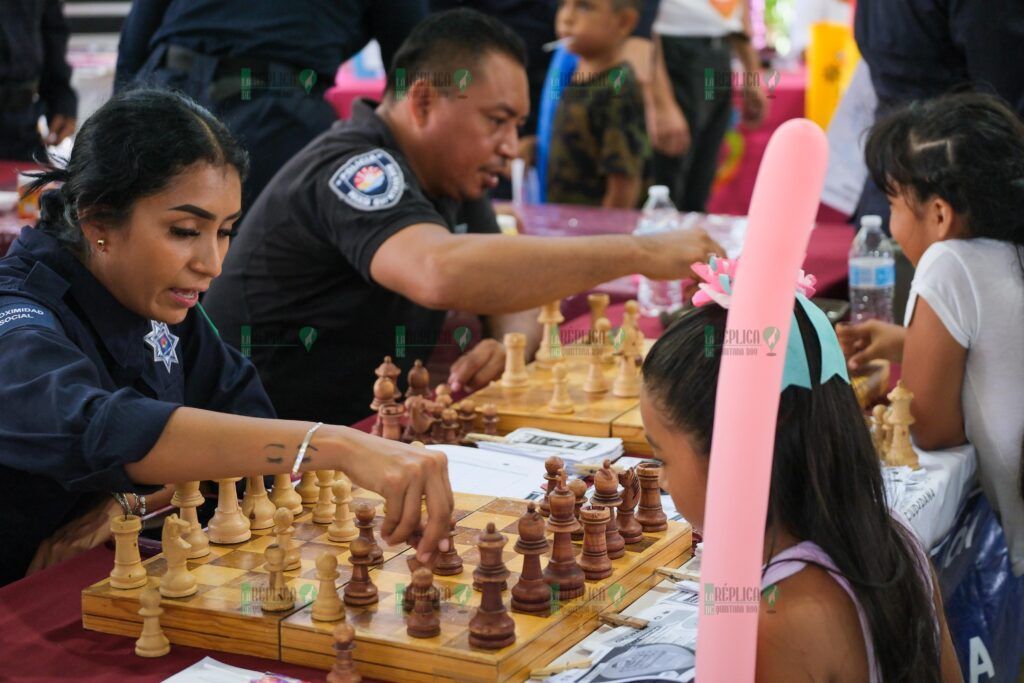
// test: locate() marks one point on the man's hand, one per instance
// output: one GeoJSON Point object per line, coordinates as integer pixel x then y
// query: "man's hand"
{"type": "Point", "coordinates": [478, 367]}
{"type": "Point", "coordinates": [668, 129]}
{"type": "Point", "coordinates": [670, 254]}
{"type": "Point", "coordinates": [869, 340]}
{"type": "Point", "coordinates": [755, 106]}
{"type": "Point", "coordinates": [60, 127]}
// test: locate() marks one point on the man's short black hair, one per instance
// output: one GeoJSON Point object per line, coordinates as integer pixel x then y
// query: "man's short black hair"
{"type": "Point", "coordinates": [447, 41]}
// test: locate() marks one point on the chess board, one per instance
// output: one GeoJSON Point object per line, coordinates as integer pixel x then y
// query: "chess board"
{"type": "Point", "coordinates": [593, 414]}
{"type": "Point", "coordinates": [630, 428]}
{"type": "Point", "coordinates": [385, 651]}
{"type": "Point", "coordinates": [224, 615]}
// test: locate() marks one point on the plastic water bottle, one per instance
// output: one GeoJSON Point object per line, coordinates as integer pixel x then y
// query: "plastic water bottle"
{"type": "Point", "coordinates": [872, 273]}
{"type": "Point", "coordinates": [659, 215]}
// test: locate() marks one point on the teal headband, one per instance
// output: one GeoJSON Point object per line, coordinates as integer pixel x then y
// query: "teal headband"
{"type": "Point", "coordinates": [797, 372]}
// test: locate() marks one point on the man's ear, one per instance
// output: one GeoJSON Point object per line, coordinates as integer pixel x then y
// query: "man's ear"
{"type": "Point", "coordinates": [422, 98]}
{"type": "Point", "coordinates": [627, 20]}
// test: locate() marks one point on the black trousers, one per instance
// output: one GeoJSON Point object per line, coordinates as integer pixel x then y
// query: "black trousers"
{"type": "Point", "coordinates": [708, 112]}
{"type": "Point", "coordinates": [272, 124]}
{"type": "Point", "coordinates": [19, 135]}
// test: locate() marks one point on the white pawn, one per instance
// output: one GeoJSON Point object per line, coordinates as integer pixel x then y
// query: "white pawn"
{"type": "Point", "coordinates": [152, 642]}
{"type": "Point", "coordinates": [187, 498]}
{"type": "Point", "coordinates": [343, 529]}
{"type": "Point", "coordinates": [278, 598]}
{"type": "Point", "coordinates": [560, 402]}
{"type": "Point", "coordinates": [177, 581]}
{"type": "Point", "coordinates": [284, 495]}
{"type": "Point", "coordinates": [283, 532]}
{"type": "Point", "coordinates": [323, 511]}
{"type": "Point", "coordinates": [256, 504]}
{"type": "Point", "coordinates": [596, 383]}
{"type": "Point", "coordinates": [307, 489]}
{"type": "Point", "coordinates": [327, 606]}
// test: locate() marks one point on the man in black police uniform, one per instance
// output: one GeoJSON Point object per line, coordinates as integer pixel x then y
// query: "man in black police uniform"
{"type": "Point", "coordinates": [290, 52]}
{"type": "Point", "coordinates": [361, 232]}
{"type": "Point", "coordinates": [35, 79]}
{"type": "Point", "coordinates": [918, 49]}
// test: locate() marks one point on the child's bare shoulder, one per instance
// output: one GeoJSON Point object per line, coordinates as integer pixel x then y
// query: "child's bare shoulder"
{"type": "Point", "coordinates": [808, 630]}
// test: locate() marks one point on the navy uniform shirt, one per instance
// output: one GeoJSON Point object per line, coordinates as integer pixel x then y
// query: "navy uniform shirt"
{"type": "Point", "coordinates": [316, 34]}
{"type": "Point", "coordinates": [922, 48]}
{"type": "Point", "coordinates": [296, 291]}
{"type": "Point", "coordinates": [82, 392]}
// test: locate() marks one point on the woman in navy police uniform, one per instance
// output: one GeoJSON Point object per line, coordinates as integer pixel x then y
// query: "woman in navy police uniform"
{"type": "Point", "coordinates": [111, 380]}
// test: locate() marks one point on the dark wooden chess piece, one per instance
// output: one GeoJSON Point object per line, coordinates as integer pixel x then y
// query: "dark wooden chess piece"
{"type": "Point", "coordinates": [531, 593]}
{"type": "Point", "coordinates": [360, 591]}
{"type": "Point", "coordinates": [344, 669]}
{"type": "Point", "coordinates": [390, 417]}
{"type": "Point", "coordinates": [365, 514]}
{"type": "Point", "coordinates": [450, 421]}
{"type": "Point", "coordinates": [383, 394]}
{"type": "Point", "coordinates": [437, 424]}
{"type": "Point", "coordinates": [552, 466]}
{"type": "Point", "coordinates": [629, 528]}
{"type": "Point", "coordinates": [650, 515]}
{"type": "Point", "coordinates": [491, 628]}
{"type": "Point", "coordinates": [419, 380]}
{"type": "Point", "coordinates": [606, 495]}
{"type": "Point", "coordinates": [490, 419]}
{"type": "Point", "coordinates": [467, 417]}
{"type": "Point", "coordinates": [579, 489]}
{"type": "Point", "coordinates": [418, 427]}
{"type": "Point", "coordinates": [562, 572]}
{"type": "Point", "coordinates": [448, 562]}
{"type": "Point", "coordinates": [391, 371]}
{"type": "Point", "coordinates": [595, 562]}
{"type": "Point", "coordinates": [415, 589]}
{"type": "Point", "coordinates": [424, 620]}
{"type": "Point", "coordinates": [442, 390]}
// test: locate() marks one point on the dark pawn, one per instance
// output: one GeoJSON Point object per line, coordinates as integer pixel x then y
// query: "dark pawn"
{"type": "Point", "coordinates": [413, 591]}
{"type": "Point", "coordinates": [531, 594]}
{"type": "Point", "coordinates": [629, 528]}
{"type": "Point", "coordinates": [419, 380]}
{"type": "Point", "coordinates": [552, 466]}
{"type": "Point", "coordinates": [449, 563]}
{"type": "Point", "coordinates": [562, 571]}
{"type": "Point", "coordinates": [594, 562]}
{"type": "Point", "coordinates": [579, 489]}
{"type": "Point", "coordinates": [360, 591]}
{"type": "Point", "coordinates": [490, 419]}
{"type": "Point", "coordinates": [491, 628]}
{"type": "Point", "coordinates": [424, 622]}
{"type": "Point", "coordinates": [651, 517]}
{"type": "Point", "coordinates": [606, 495]}
{"type": "Point", "coordinates": [365, 514]}
{"type": "Point", "coordinates": [344, 669]}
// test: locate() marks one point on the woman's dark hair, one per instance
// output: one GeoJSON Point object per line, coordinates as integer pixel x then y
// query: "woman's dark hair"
{"type": "Point", "coordinates": [130, 148]}
{"type": "Point", "coordinates": [967, 149]}
{"type": "Point", "coordinates": [826, 486]}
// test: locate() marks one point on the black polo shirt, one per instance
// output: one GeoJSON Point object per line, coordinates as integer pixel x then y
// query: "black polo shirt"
{"type": "Point", "coordinates": [296, 293]}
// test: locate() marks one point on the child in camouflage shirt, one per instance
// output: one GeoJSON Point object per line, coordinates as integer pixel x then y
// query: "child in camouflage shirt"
{"type": "Point", "coordinates": [599, 147]}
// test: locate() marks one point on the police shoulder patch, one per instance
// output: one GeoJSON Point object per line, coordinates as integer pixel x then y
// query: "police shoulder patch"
{"type": "Point", "coordinates": [16, 312]}
{"type": "Point", "coordinates": [371, 181]}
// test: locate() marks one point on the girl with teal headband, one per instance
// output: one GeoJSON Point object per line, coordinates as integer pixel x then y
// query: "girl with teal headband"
{"type": "Point", "coordinates": [855, 598]}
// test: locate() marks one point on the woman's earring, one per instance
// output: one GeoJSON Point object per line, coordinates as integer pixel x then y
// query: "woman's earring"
{"type": "Point", "coordinates": [101, 243]}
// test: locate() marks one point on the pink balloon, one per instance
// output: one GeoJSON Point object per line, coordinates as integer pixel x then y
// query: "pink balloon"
{"type": "Point", "coordinates": [782, 211]}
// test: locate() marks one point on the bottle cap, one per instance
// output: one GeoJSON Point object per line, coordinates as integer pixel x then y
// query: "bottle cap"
{"type": "Point", "coordinates": [658, 191]}
{"type": "Point", "coordinates": [871, 221]}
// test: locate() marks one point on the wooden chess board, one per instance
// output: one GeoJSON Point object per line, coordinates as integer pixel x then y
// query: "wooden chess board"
{"type": "Point", "coordinates": [384, 650]}
{"type": "Point", "coordinates": [593, 414]}
{"type": "Point", "coordinates": [225, 616]}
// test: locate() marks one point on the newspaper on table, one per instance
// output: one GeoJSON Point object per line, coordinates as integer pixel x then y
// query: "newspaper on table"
{"type": "Point", "coordinates": [541, 444]}
{"type": "Point", "coordinates": [664, 651]}
{"type": "Point", "coordinates": [209, 670]}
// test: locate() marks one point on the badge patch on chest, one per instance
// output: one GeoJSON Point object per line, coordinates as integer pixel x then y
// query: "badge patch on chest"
{"type": "Point", "coordinates": [164, 344]}
{"type": "Point", "coordinates": [369, 182]}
